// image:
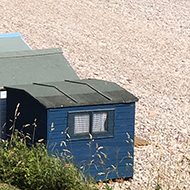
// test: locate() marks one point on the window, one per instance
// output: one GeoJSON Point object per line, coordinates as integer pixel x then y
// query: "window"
{"type": "Point", "coordinates": [81, 123]}
{"type": "Point", "coordinates": [98, 123]}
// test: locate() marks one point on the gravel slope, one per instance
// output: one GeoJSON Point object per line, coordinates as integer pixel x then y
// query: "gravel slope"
{"type": "Point", "coordinates": [142, 45]}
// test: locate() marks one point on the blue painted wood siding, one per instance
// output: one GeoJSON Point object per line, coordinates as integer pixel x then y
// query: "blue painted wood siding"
{"type": "Point", "coordinates": [116, 152]}
{"type": "Point", "coordinates": [30, 110]}
{"type": "Point", "coordinates": [2, 118]}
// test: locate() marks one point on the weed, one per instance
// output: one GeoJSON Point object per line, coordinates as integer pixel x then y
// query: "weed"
{"type": "Point", "coordinates": [33, 168]}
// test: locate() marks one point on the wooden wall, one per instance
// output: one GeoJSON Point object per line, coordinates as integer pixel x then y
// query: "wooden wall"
{"type": "Point", "coordinates": [30, 110]}
{"type": "Point", "coordinates": [119, 149]}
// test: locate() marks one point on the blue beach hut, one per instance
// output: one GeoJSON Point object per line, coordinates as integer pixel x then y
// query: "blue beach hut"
{"type": "Point", "coordinates": [92, 119]}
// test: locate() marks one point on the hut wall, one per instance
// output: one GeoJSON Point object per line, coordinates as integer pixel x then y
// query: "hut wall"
{"type": "Point", "coordinates": [104, 153]}
{"type": "Point", "coordinates": [31, 112]}
{"type": "Point", "coordinates": [2, 113]}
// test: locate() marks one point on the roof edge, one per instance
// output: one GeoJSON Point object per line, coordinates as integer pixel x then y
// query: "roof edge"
{"type": "Point", "coordinates": [11, 35]}
{"type": "Point", "coordinates": [27, 93]}
{"type": "Point", "coordinates": [29, 53]}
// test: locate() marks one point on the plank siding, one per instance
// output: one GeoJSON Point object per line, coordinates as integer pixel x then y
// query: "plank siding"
{"type": "Point", "coordinates": [29, 110]}
{"type": "Point", "coordinates": [2, 118]}
{"type": "Point", "coordinates": [124, 123]}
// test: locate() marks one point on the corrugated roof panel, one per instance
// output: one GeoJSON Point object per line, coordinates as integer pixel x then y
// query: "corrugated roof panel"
{"type": "Point", "coordinates": [26, 67]}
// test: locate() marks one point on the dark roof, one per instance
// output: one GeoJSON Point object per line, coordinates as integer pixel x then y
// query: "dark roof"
{"type": "Point", "coordinates": [26, 67]}
{"type": "Point", "coordinates": [12, 42]}
{"type": "Point", "coordinates": [77, 93]}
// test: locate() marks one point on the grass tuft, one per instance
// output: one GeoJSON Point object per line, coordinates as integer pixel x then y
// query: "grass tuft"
{"type": "Point", "coordinates": [33, 169]}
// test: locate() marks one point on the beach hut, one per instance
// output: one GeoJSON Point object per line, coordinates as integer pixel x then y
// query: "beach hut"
{"type": "Point", "coordinates": [8, 43]}
{"type": "Point", "coordinates": [92, 119]}
{"type": "Point", "coordinates": [21, 65]}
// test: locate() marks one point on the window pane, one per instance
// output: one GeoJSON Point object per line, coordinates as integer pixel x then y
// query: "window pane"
{"type": "Point", "coordinates": [81, 123]}
{"type": "Point", "coordinates": [99, 122]}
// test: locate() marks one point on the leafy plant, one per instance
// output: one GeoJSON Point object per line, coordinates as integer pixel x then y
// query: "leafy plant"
{"type": "Point", "coordinates": [32, 168]}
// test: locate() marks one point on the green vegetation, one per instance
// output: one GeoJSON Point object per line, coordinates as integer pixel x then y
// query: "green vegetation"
{"type": "Point", "coordinates": [33, 169]}
{"type": "Point", "coordinates": [4, 186]}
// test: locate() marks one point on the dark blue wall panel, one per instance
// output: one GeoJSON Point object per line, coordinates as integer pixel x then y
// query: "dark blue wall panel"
{"type": "Point", "coordinates": [117, 151]}
{"type": "Point", "coordinates": [30, 110]}
{"type": "Point", "coordinates": [2, 118]}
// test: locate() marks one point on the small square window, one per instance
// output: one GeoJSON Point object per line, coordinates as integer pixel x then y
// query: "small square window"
{"type": "Point", "coordinates": [98, 123]}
